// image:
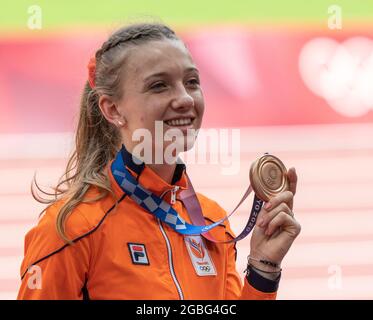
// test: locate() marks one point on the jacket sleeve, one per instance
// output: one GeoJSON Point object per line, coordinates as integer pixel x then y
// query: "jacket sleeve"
{"type": "Point", "coordinates": [50, 268]}
{"type": "Point", "coordinates": [61, 276]}
{"type": "Point", "coordinates": [255, 286]}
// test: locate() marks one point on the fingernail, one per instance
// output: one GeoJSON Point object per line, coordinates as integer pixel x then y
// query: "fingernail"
{"type": "Point", "coordinates": [267, 206]}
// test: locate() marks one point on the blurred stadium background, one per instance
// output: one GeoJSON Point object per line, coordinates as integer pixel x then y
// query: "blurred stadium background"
{"type": "Point", "coordinates": [275, 69]}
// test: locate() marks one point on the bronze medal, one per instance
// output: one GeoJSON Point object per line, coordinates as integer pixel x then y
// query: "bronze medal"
{"type": "Point", "coordinates": [268, 177]}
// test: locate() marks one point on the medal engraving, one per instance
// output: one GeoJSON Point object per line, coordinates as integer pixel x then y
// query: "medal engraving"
{"type": "Point", "coordinates": [268, 177]}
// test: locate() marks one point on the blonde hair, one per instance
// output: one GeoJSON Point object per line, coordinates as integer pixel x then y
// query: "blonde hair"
{"type": "Point", "coordinates": [97, 141]}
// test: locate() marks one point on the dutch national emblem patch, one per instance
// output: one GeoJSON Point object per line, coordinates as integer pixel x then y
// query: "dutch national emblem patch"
{"type": "Point", "coordinates": [138, 253]}
{"type": "Point", "coordinates": [199, 256]}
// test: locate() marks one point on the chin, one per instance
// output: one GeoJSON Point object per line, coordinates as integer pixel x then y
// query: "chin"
{"type": "Point", "coordinates": [171, 150]}
{"type": "Point", "coordinates": [188, 143]}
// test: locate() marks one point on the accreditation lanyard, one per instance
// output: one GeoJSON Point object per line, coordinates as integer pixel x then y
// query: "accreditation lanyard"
{"type": "Point", "coordinates": [166, 213]}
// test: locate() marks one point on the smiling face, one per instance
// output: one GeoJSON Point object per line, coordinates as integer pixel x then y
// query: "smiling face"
{"type": "Point", "coordinates": [160, 83]}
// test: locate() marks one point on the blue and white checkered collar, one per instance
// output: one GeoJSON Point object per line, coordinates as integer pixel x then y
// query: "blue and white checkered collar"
{"type": "Point", "coordinates": [149, 179]}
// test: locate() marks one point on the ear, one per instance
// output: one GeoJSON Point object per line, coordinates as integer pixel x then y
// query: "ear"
{"type": "Point", "coordinates": [110, 110]}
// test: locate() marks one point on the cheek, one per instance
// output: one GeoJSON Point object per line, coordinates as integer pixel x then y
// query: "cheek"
{"type": "Point", "coordinates": [200, 104]}
{"type": "Point", "coordinates": [201, 109]}
{"type": "Point", "coordinates": [143, 120]}
{"type": "Point", "coordinates": [136, 121]}
{"type": "Point", "coordinates": [148, 121]}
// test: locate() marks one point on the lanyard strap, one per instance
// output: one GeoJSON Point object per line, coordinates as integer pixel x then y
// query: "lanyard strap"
{"type": "Point", "coordinates": [164, 211]}
{"type": "Point", "coordinates": [191, 203]}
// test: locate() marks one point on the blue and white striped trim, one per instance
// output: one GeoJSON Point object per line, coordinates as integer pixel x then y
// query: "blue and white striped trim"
{"type": "Point", "coordinates": [153, 203]}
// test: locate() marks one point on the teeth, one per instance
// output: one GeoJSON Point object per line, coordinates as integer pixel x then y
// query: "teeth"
{"type": "Point", "coordinates": [179, 122]}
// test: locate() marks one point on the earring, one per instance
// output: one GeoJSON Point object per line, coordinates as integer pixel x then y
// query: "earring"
{"type": "Point", "coordinates": [120, 123]}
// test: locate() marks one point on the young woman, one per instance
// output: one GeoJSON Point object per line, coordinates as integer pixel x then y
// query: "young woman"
{"type": "Point", "coordinates": [95, 240]}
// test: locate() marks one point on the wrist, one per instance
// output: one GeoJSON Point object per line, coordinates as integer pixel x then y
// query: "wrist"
{"type": "Point", "coordinates": [263, 267]}
{"type": "Point", "coordinates": [270, 275]}
{"type": "Point", "coordinates": [264, 282]}
{"type": "Point", "coordinates": [263, 264]}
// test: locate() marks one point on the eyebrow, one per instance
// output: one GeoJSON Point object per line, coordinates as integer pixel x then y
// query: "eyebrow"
{"type": "Point", "coordinates": [159, 74]}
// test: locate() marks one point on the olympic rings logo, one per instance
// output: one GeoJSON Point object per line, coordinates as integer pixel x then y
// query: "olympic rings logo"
{"type": "Point", "coordinates": [205, 268]}
{"type": "Point", "coordinates": [341, 73]}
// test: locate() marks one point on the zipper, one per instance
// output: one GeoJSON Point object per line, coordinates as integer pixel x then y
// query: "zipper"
{"type": "Point", "coordinates": [169, 252]}
{"type": "Point", "coordinates": [173, 194]}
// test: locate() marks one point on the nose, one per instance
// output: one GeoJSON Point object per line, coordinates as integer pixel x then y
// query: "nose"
{"type": "Point", "coordinates": [182, 100]}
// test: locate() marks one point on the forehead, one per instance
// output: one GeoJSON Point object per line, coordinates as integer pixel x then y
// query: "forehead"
{"type": "Point", "coordinates": [158, 56]}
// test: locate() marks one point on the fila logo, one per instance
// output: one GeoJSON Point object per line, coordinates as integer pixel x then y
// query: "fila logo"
{"type": "Point", "coordinates": [199, 256]}
{"type": "Point", "coordinates": [138, 253]}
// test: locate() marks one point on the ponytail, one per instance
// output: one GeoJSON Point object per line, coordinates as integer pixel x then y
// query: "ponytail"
{"type": "Point", "coordinates": [97, 142]}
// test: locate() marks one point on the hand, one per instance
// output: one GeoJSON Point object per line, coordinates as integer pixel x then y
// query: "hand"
{"type": "Point", "coordinates": [276, 227]}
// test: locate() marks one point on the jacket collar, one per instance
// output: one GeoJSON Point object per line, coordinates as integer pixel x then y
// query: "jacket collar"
{"type": "Point", "coordinates": [147, 178]}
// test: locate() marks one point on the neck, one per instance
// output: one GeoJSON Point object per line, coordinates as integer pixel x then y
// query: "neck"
{"type": "Point", "coordinates": [165, 171]}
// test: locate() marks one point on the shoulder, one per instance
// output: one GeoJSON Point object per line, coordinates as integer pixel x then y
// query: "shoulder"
{"type": "Point", "coordinates": [83, 217]}
{"type": "Point", "coordinates": [43, 240]}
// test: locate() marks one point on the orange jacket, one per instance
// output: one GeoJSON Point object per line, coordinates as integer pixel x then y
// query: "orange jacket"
{"type": "Point", "coordinates": [127, 253]}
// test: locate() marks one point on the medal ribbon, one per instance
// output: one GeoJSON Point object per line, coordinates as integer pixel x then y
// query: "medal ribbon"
{"type": "Point", "coordinates": [164, 211]}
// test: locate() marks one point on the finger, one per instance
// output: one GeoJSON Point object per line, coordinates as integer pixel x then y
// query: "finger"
{"type": "Point", "coordinates": [293, 179]}
{"type": "Point", "coordinates": [281, 220]}
{"type": "Point", "coordinates": [268, 216]}
{"type": "Point", "coordinates": [260, 218]}
{"type": "Point", "coordinates": [286, 196]}
{"type": "Point", "coordinates": [292, 230]}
